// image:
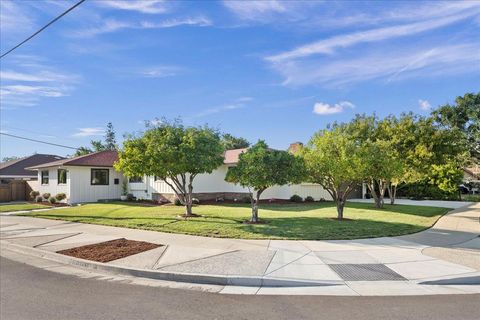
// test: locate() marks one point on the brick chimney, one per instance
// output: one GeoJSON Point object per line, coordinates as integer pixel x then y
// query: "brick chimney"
{"type": "Point", "coordinates": [295, 147]}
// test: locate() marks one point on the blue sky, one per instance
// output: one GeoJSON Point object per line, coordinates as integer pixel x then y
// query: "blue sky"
{"type": "Point", "coordinates": [269, 70]}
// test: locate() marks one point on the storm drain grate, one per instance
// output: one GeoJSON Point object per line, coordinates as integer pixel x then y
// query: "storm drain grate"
{"type": "Point", "coordinates": [365, 272]}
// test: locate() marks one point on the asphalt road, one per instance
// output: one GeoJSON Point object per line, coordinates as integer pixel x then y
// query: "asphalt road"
{"type": "Point", "coordinates": [30, 293]}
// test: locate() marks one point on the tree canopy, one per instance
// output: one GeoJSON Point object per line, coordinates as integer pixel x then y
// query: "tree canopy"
{"type": "Point", "coordinates": [261, 168]}
{"type": "Point", "coordinates": [175, 154]}
{"type": "Point", "coordinates": [230, 142]}
{"type": "Point", "coordinates": [464, 116]}
{"type": "Point", "coordinates": [333, 160]}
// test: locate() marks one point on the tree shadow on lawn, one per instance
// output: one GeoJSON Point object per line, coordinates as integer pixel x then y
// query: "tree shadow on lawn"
{"type": "Point", "coordinates": [316, 228]}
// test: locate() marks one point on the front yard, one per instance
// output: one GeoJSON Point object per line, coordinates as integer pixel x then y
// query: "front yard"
{"type": "Point", "coordinates": [7, 207]}
{"type": "Point", "coordinates": [313, 221]}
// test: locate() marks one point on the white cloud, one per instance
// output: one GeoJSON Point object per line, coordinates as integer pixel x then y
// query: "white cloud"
{"type": "Point", "coordinates": [150, 6]}
{"type": "Point", "coordinates": [27, 79]}
{"type": "Point", "coordinates": [220, 109]}
{"type": "Point", "coordinates": [327, 109]}
{"type": "Point", "coordinates": [424, 104]}
{"type": "Point", "coordinates": [89, 132]}
{"type": "Point", "coordinates": [14, 19]}
{"type": "Point", "coordinates": [391, 65]}
{"type": "Point", "coordinates": [253, 10]}
{"type": "Point", "coordinates": [329, 45]}
{"type": "Point", "coordinates": [112, 25]}
{"type": "Point", "coordinates": [160, 71]}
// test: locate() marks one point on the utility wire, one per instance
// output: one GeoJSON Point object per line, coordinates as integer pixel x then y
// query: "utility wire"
{"type": "Point", "coordinates": [39, 141]}
{"type": "Point", "coordinates": [43, 28]}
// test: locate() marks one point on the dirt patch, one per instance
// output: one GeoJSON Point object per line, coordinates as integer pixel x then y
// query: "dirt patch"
{"type": "Point", "coordinates": [110, 250]}
{"type": "Point", "coordinates": [258, 222]}
{"type": "Point", "coordinates": [186, 216]}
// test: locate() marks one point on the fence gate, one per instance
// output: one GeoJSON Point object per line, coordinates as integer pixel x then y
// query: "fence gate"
{"type": "Point", "coordinates": [14, 190]}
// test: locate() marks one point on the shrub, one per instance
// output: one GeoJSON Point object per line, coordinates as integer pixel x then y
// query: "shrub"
{"type": "Point", "coordinates": [46, 195]}
{"type": "Point", "coordinates": [34, 194]}
{"type": "Point", "coordinates": [52, 200]}
{"type": "Point", "coordinates": [178, 202]}
{"type": "Point", "coordinates": [60, 196]}
{"type": "Point", "coordinates": [246, 199]}
{"type": "Point", "coordinates": [195, 201]}
{"type": "Point", "coordinates": [296, 198]}
{"type": "Point", "coordinates": [130, 197]}
{"type": "Point", "coordinates": [309, 199]}
{"type": "Point", "coordinates": [322, 200]}
{"type": "Point", "coordinates": [38, 199]}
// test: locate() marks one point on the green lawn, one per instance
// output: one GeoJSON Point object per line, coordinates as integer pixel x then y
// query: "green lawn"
{"type": "Point", "coordinates": [21, 207]}
{"type": "Point", "coordinates": [286, 221]}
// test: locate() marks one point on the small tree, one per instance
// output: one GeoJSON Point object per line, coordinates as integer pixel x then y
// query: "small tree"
{"type": "Point", "coordinates": [173, 153]}
{"type": "Point", "coordinates": [333, 160]}
{"type": "Point", "coordinates": [261, 168]}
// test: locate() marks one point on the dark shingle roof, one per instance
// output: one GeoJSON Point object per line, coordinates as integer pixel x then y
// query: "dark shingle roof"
{"type": "Point", "coordinates": [97, 159]}
{"type": "Point", "coordinates": [18, 167]}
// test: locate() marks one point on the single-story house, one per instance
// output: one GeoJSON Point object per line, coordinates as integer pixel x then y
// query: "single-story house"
{"type": "Point", "coordinates": [213, 186]}
{"type": "Point", "coordinates": [16, 182]}
{"type": "Point", "coordinates": [15, 169]}
{"type": "Point", "coordinates": [87, 178]}
{"type": "Point", "coordinates": [91, 178]}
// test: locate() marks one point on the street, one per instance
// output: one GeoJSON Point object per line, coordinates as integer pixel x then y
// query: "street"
{"type": "Point", "coordinates": [30, 293]}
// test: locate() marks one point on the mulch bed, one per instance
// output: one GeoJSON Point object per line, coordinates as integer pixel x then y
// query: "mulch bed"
{"type": "Point", "coordinates": [110, 250]}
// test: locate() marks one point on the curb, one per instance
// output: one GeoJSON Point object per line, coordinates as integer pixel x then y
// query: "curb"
{"type": "Point", "coordinates": [247, 281]}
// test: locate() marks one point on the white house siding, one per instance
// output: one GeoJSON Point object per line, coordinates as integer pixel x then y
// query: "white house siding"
{"type": "Point", "coordinates": [83, 191]}
{"type": "Point", "coordinates": [303, 190]}
{"type": "Point", "coordinates": [215, 183]}
{"type": "Point", "coordinates": [53, 187]}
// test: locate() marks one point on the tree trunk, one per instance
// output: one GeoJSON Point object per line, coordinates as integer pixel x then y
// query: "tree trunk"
{"type": "Point", "coordinates": [188, 201]}
{"type": "Point", "coordinates": [340, 207]}
{"type": "Point", "coordinates": [393, 194]}
{"type": "Point", "coordinates": [255, 202]}
{"type": "Point", "coordinates": [375, 195]}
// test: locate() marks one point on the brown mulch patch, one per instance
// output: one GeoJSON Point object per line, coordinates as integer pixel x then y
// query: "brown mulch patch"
{"type": "Point", "coordinates": [344, 219]}
{"type": "Point", "coordinates": [184, 216]}
{"type": "Point", "coordinates": [258, 222]}
{"type": "Point", "coordinates": [110, 250]}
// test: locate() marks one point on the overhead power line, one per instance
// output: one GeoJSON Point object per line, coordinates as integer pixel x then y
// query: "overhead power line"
{"type": "Point", "coordinates": [39, 141]}
{"type": "Point", "coordinates": [43, 28]}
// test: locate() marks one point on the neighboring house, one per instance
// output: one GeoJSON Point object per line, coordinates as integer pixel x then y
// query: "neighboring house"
{"type": "Point", "coordinates": [15, 169]}
{"type": "Point", "coordinates": [87, 178]}
{"type": "Point", "coordinates": [213, 186]}
{"type": "Point", "coordinates": [16, 182]}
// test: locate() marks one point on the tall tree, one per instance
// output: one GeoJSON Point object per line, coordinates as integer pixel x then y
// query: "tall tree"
{"type": "Point", "coordinates": [333, 160]}
{"type": "Point", "coordinates": [464, 116]}
{"type": "Point", "coordinates": [110, 140]}
{"type": "Point", "coordinates": [261, 168]}
{"type": "Point", "coordinates": [109, 143]}
{"type": "Point", "coordinates": [230, 142]}
{"type": "Point", "coordinates": [175, 154]}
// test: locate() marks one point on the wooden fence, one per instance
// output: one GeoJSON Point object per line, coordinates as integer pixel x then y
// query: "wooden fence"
{"type": "Point", "coordinates": [15, 190]}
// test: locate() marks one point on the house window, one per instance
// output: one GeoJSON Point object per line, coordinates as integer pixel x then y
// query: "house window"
{"type": "Point", "coordinates": [45, 177]}
{"type": "Point", "coordinates": [62, 176]}
{"type": "Point", "coordinates": [135, 179]}
{"type": "Point", "coordinates": [99, 177]}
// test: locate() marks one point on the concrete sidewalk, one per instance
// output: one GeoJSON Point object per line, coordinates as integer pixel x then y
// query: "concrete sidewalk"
{"type": "Point", "coordinates": [442, 260]}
